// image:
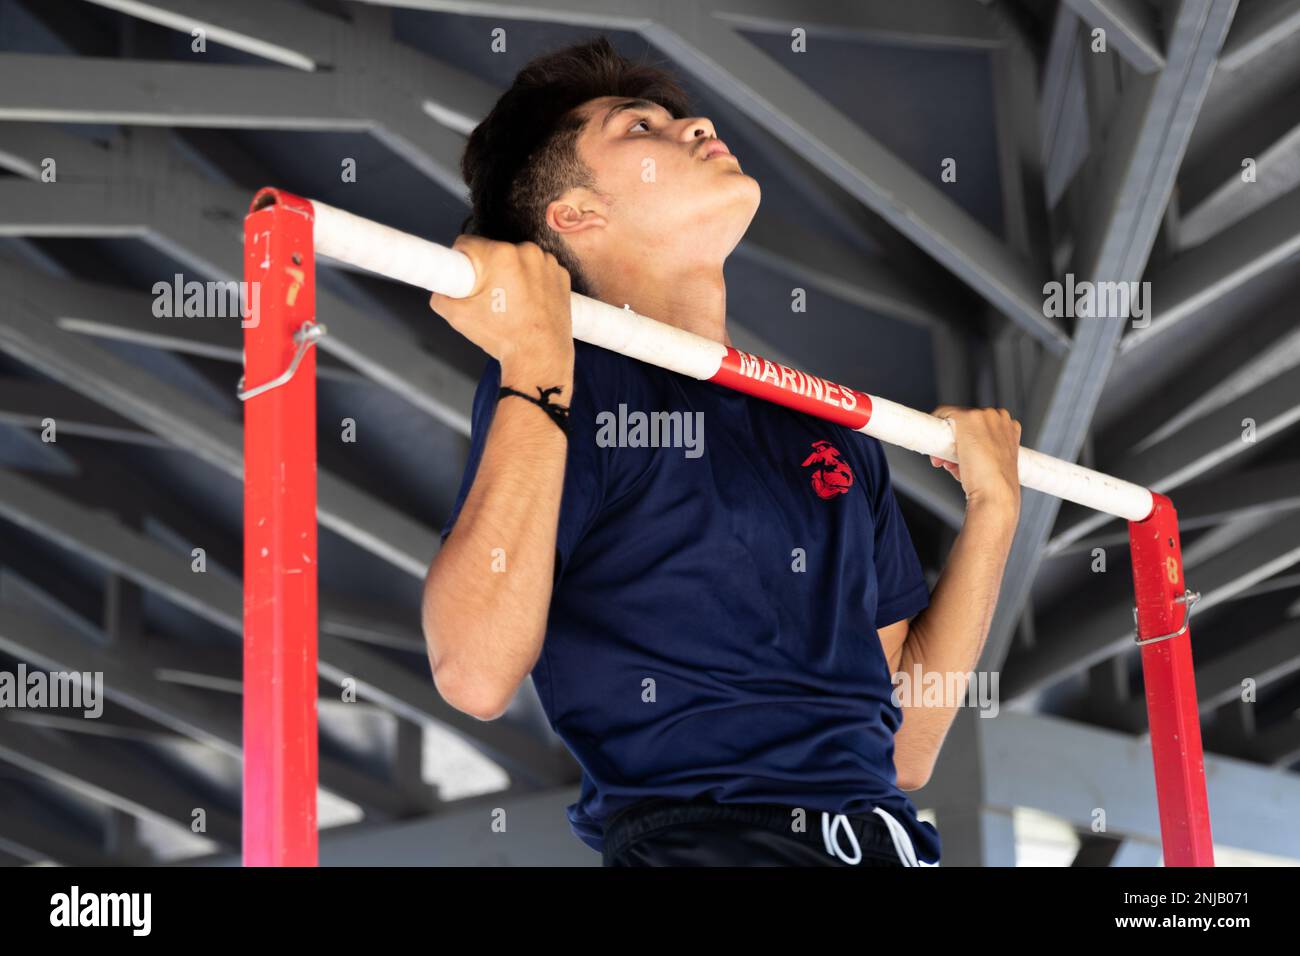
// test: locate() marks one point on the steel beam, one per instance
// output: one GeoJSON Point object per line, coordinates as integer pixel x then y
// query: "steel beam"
{"type": "Point", "coordinates": [33, 839]}
{"type": "Point", "coordinates": [285, 33]}
{"type": "Point", "coordinates": [1135, 181]}
{"type": "Point", "coordinates": [1265, 659]}
{"type": "Point", "coordinates": [724, 61]}
{"type": "Point", "coordinates": [376, 348]}
{"type": "Point", "coordinates": [721, 59]}
{"type": "Point", "coordinates": [1130, 27]}
{"type": "Point", "coordinates": [977, 836]}
{"type": "Point", "coordinates": [72, 210]}
{"type": "Point", "coordinates": [1261, 26]}
{"type": "Point", "coordinates": [426, 146]}
{"type": "Point", "coordinates": [1212, 193]}
{"type": "Point", "coordinates": [108, 312]}
{"type": "Point", "coordinates": [856, 226]}
{"type": "Point", "coordinates": [219, 600]}
{"type": "Point", "coordinates": [1235, 357]}
{"type": "Point", "coordinates": [371, 62]}
{"type": "Point", "coordinates": [168, 412]}
{"type": "Point", "coordinates": [1266, 493]}
{"type": "Point", "coordinates": [925, 23]}
{"type": "Point", "coordinates": [1132, 852]}
{"type": "Point", "coordinates": [461, 835]}
{"type": "Point", "coordinates": [831, 267]}
{"type": "Point", "coordinates": [1021, 170]}
{"type": "Point", "coordinates": [1217, 437]}
{"type": "Point", "coordinates": [83, 90]}
{"type": "Point", "coordinates": [1072, 770]}
{"type": "Point", "coordinates": [131, 680]}
{"type": "Point", "coordinates": [1279, 745]}
{"type": "Point", "coordinates": [56, 89]}
{"type": "Point", "coordinates": [1063, 107]}
{"type": "Point", "coordinates": [1207, 273]}
{"type": "Point", "coordinates": [28, 404]}
{"type": "Point", "coordinates": [113, 775]}
{"type": "Point", "coordinates": [1108, 630]}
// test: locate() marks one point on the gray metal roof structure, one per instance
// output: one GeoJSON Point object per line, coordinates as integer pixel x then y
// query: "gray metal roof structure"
{"type": "Point", "coordinates": [134, 132]}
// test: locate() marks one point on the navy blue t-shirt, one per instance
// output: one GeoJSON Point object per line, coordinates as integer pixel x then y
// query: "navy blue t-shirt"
{"type": "Point", "coordinates": [712, 630]}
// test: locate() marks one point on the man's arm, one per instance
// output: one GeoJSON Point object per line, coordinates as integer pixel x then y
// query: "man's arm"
{"type": "Point", "coordinates": [948, 636]}
{"type": "Point", "coordinates": [484, 625]}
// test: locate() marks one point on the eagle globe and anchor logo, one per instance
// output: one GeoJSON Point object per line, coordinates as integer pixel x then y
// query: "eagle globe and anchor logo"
{"type": "Point", "coordinates": [831, 474]}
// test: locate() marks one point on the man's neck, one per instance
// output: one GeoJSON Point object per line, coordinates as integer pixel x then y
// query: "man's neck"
{"type": "Point", "coordinates": [694, 300]}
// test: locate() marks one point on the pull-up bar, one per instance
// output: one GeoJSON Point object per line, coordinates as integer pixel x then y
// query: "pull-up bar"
{"type": "Point", "coordinates": [427, 265]}
{"type": "Point", "coordinates": [283, 232]}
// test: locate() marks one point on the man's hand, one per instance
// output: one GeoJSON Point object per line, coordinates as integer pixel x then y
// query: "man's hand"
{"type": "Point", "coordinates": [518, 310]}
{"type": "Point", "coordinates": [988, 444]}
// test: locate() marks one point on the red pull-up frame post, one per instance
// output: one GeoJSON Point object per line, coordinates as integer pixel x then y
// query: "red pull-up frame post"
{"type": "Point", "coordinates": [1163, 612]}
{"type": "Point", "coordinates": [280, 612]}
{"type": "Point", "coordinates": [283, 232]}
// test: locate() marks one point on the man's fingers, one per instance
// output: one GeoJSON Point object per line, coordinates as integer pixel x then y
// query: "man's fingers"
{"type": "Point", "coordinates": [437, 300]}
{"type": "Point", "coordinates": [444, 305]}
{"type": "Point", "coordinates": [950, 466]}
{"type": "Point", "coordinates": [476, 249]}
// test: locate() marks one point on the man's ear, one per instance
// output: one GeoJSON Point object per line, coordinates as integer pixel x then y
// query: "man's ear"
{"type": "Point", "coordinates": [578, 210]}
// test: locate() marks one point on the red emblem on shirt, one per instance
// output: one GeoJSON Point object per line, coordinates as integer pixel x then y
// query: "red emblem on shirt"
{"type": "Point", "coordinates": [831, 475]}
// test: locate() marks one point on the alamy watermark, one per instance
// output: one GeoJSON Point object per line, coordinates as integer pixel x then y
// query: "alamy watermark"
{"type": "Point", "coordinates": [75, 908]}
{"type": "Point", "coordinates": [36, 690]}
{"type": "Point", "coordinates": [179, 299]}
{"type": "Point", "coordinates": [1098, 300]}
{"type": "Point", "coordinates": [922, 688]}
{"type": "Point", "coordinates": [636, 429]}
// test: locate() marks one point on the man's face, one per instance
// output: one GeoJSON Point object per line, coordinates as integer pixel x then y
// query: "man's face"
{"type": "Point", "coordinates": [662, 185]}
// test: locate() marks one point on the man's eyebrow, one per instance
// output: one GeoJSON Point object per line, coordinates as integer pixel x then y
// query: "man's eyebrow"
{"type": "Point", "coordinates": [627, 105]}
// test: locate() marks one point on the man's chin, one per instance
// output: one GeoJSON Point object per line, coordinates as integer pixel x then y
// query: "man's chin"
{"type": "Point", "coordinates": [741, 211]}
{"type": "Point", "coordinates": [740, 185]}
{"type": "Point", "coordinates": [749, 196]}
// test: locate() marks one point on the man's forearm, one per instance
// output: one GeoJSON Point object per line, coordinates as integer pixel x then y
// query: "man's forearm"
{"type": "Point", "coordinates": [948, 636]}
{"type": "Point", "coordinates": [488, 591]}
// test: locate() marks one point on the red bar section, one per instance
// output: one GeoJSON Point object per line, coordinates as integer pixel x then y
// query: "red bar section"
{"type": "Point", "coordinates": [280, 613]}
{"type": "Point", "coordinates": [782, 385]}
{"type": "Point", "coordinates": [1169, 677]}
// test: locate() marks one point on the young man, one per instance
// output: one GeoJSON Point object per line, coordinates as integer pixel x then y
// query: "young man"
{"type": "Point", "coordinates": [711, 629]}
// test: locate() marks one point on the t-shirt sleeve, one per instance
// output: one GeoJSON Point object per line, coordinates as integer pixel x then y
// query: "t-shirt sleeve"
{"type": "Point", "coordinates": [901, 585]}
{"type": "Point", "coordinates": [584, 470]}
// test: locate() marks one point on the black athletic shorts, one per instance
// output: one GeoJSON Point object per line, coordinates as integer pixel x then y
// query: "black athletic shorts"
{"type": "Point", "coordinates": [705, 833]}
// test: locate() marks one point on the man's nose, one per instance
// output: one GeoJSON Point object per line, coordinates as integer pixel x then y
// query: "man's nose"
{"type": "Point", "coordinates": [698, 126]}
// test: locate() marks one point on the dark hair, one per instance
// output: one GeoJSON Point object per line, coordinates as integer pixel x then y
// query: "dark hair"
{"type": "Point", "coordinates": [524, 154]}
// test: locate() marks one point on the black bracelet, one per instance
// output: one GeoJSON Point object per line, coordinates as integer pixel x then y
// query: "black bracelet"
{"type": "Point", "coordinates": [556, 412]}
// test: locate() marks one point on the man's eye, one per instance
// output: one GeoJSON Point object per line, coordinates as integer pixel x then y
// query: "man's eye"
{"type": "Point", "coordinates": [641, 122]}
